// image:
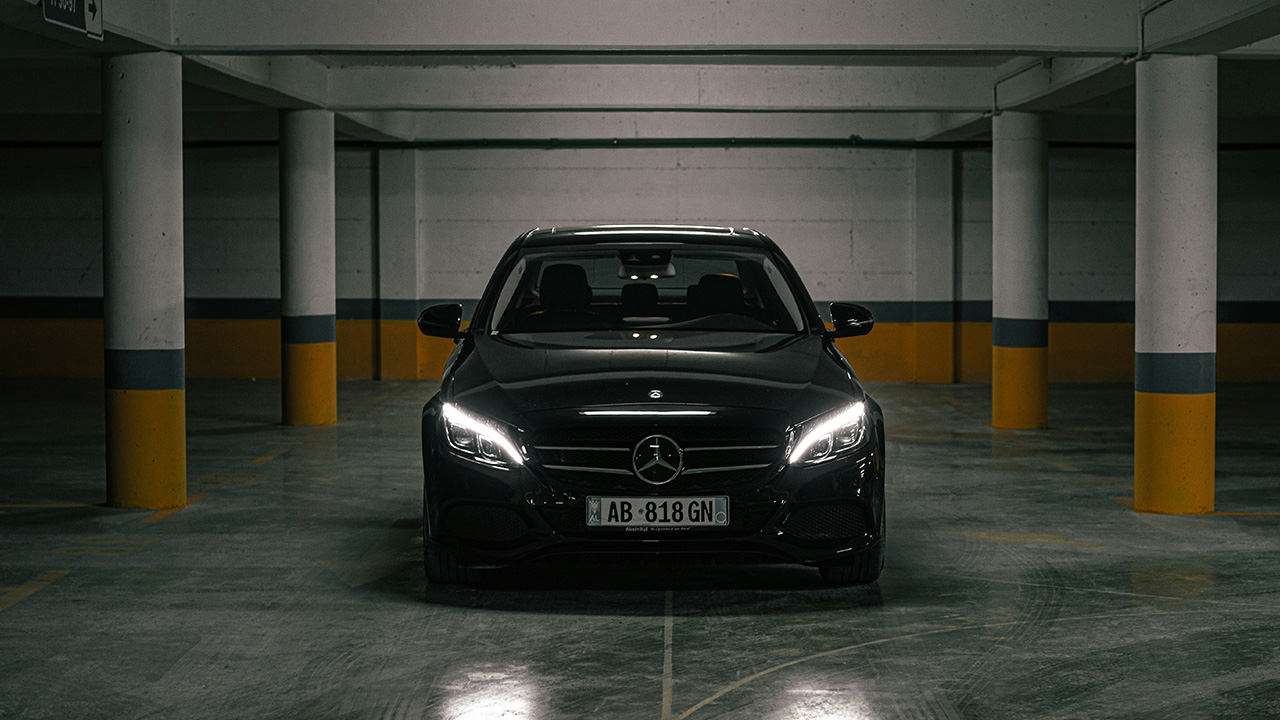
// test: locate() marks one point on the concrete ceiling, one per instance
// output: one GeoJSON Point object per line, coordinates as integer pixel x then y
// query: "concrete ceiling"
{"type": "Point", "coordinates": [440, 70]}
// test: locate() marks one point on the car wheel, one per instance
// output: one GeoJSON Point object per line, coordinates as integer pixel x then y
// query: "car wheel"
{"type": "Point", "coordinates": [865, 569]}
{"type": "Point", "coordinates": [442, 567]}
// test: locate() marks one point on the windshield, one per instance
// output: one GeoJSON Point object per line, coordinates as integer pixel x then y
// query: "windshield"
{"type": "Point", "coordinates": [556, 289]}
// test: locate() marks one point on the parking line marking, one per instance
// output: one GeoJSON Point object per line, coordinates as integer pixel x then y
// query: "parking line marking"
{"type": "Point", "coordinates": [162, 514]}
{"type": "Point", "coordinates": [30, 587]}
{"type": "Point", "coordinates": [667, 627]}
{"type": "Point", "coordinates": [264, 459]}
{"type": "Point", "coordinates": [45, 505]}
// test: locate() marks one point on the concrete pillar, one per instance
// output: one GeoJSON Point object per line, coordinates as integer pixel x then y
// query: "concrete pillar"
{"type": "Point", "coordinates": [309, 357]}
{"type": "Point", "coordinates": [142, 280]}
{"type": "Point", "coordinates": [1019, 272]}
{"type": "Point", "coordinates": [1176, 284]}
{"type": "Point", "coordinates": [399, 342]}
{"type": "Point", "coordinates": [934, 308]}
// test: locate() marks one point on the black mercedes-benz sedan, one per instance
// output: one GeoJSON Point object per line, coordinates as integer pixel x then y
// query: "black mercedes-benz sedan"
{"type": "Point", "coordinates": [650, 389]}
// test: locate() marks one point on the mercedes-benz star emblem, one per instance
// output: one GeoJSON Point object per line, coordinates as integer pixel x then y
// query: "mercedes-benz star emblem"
{"type": "Point", "coordinates": [657, 459]}
{"type": "Point", "coordinates": [655, 394]}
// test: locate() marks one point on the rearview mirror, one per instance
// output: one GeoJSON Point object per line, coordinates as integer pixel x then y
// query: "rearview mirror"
{"type": "Point", "coordinates": [441, 320]}
{"type": "Point", "coordinates": [851, 319]}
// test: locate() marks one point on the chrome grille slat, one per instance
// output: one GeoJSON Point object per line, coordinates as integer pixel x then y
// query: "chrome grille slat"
{"type": "Point", "coordinates": [733, 447]}
{"type": "Point", "coordinates": [696, 471]}
{"type": "Point", "coordinates": [578, 468]}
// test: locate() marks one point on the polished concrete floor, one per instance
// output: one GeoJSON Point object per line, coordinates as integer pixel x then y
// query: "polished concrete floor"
{"type": "Point", "coordinates": [1017, 584]}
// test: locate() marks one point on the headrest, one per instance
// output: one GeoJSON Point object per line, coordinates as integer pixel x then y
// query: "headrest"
{"type": "Point", "coordinates": [565, 287]}
{"type": "Point", "coordinates": [639, 299]}
{"type": "Point", "coordinates": [720, 293]}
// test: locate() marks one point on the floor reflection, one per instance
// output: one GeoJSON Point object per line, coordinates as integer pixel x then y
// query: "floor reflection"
{"type": "Point", "coordinates": [490, 691]}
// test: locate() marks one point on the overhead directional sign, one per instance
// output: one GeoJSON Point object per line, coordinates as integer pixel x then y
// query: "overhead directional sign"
{"type": "Point", "coordinates": [82, 15]}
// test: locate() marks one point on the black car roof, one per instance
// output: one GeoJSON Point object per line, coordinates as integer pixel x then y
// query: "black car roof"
{"type": "Point", "coordinates": [612, 234]}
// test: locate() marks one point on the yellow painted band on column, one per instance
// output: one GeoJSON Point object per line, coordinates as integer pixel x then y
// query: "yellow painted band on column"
{"type": "Point", "coordinates": [398, 342]}
{"type": "Point", "coordinates": [1019, 388]}
{"type": "Point", "coordinates": [357, 349]}
{"type": "Point", "coordinates": [310, 376]}
{"type": "Point", "coordinates": [1173, 453]}
{"type": "Point", "coordinates": [935, 352]}
{"type": "Point", "coordinates": [146, 448]}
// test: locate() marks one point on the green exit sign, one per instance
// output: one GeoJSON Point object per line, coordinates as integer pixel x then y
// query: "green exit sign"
{"type": "Point", "coordinates": [82, 15]}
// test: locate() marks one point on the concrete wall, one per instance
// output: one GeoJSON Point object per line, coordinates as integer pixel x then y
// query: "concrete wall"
{"type": "Point", "coordinates": [845, 217]}
{"type": "Point", "coordinates": [51, 261]}
{"type": "Point", "coordinates": [842, 216]}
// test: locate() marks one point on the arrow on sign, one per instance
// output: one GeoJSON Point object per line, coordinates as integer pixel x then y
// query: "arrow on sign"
{"type": "Point", "coordinates": [93, 9]}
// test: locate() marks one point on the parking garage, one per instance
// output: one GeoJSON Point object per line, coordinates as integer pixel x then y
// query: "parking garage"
{"type": "Point", "coordinates": [219, 222]}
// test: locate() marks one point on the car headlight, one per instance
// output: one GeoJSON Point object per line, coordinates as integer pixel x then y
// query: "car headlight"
{"type": "Point", "coordinates": [478, 438]}
{"type": "Point", "coordinates": [828, 436]}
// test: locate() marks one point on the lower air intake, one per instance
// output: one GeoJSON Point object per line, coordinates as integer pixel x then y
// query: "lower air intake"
{"type": "Point", "coordinates": [826, 522]}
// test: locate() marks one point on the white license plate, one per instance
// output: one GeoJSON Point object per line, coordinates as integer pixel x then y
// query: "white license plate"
{"type": "Point", "coordinates": [657, 512]}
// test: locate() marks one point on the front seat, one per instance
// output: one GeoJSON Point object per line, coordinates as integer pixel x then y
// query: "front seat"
{"type": "Point", "coordinates": [721, 293]}
{"type": "Point", "coordinates": [565, 297]}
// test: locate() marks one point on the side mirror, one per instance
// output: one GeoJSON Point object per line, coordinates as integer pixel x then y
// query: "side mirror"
{"type": "Point", "coordinates": [441, 320]}
{"type": "Point", "coordinates": [851, 319]}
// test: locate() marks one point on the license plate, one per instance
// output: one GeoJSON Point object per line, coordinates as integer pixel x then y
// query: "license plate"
{"type": "Point", "coordinates": [658, 512]}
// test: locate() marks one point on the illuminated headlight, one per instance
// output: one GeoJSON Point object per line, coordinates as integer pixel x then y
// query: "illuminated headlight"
{"type": "Point", "coordinates": [828, 436]}
{"type": "Point", "coordinates": [478, 438]}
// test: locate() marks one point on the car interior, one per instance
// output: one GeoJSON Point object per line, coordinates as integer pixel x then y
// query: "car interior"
{"type": "Point", "coordinates": [557, 294]}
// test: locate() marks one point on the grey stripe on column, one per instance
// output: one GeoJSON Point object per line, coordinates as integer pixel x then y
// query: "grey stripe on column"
{"type": "Point", "coordinates": [308, 329]}
{"type": "Point", "coordinates": [146, 369]}
{"type": "Point", "coordinates": [1019, 333]}
{"type": "Point", "coordinates": [1175, 373]}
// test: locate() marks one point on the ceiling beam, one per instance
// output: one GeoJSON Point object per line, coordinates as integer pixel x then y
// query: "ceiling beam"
{"type": "Point", "coordinates": [952, 127]}
{"type": "Point", "coordinates": [637, 125]}
{"type": "Point", "coordinates": [660, 87]}
{"type": "Point", "coordinates": [1206, 26]}
{"type": "Point", "coordinates": [1055, 83]}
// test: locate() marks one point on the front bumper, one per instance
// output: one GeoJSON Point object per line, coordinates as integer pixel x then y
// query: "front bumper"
{"type": "Point", "coordinates": [826, 514]}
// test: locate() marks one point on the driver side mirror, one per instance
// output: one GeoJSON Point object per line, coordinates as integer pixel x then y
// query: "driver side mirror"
{"type": "Point", "coordinates": [850, 319]}
{"type": "Point", "coordinates": [441, 321]}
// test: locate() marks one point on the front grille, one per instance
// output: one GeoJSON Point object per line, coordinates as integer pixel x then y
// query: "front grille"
{"type": "Point", "coordinates": [601, 459]}
{"type": "Point", "coordinates": [484, 523]}
{"type": "Point", "coordinates": [826, 522]}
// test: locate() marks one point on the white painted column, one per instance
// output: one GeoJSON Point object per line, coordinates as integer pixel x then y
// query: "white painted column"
{"type": "Point", "coordinates": [308, 289]}
{"type": "Point", "coordinates": [1020, 272]}
{"type": "Point", "coordinates": [1175, 313]}
{"type": "Point", "coordinates": [934, 307]}
{"type": "Point", "coordinates": [142, 280]}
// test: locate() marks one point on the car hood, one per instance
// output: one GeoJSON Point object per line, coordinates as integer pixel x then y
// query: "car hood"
{"type": "Point", "coordinates": [531, 378]}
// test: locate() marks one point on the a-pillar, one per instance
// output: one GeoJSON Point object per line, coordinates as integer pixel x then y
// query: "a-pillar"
{"type": "Point", "coordinates": [1019, 272]}
{"type": "Point", "coordinates": [399, 342]}
{"type": "Point", "coordinates": [309, 357]}
{"type": "Point", "coordinates": [142, 280]}
{"type": "Point", "coordinates": [934, 309]}
{"type": "Point", "coordinates": [1176, 284]}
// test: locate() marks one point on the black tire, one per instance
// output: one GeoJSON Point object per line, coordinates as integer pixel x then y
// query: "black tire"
{"type": "Point", "coordinates": [442, 567]}
{"type": "Point", "coordinates": [864, 569]}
